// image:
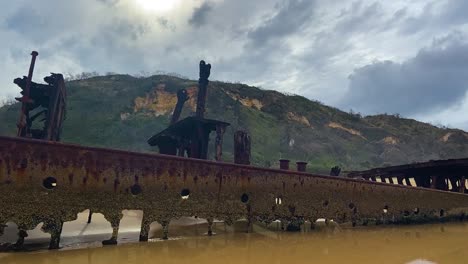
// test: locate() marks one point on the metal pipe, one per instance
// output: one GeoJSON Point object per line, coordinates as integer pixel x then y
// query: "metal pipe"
{"type": "Point", "coordinates": [284, 164]}
{"type": "Point", "coordinates": [25, 99]}
{"type": "Point", "coordinates": [301, 166]}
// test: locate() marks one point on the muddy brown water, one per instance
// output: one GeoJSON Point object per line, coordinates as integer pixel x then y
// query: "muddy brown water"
{"type": "Point", "coordinates": [435, 243]}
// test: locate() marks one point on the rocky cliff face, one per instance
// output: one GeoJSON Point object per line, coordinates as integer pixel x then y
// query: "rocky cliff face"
{"type": "Point", "coordinates": [121, 111]}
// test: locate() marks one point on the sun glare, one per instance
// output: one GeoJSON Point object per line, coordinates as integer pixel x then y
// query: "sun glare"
{"type": "Point", "coordinates": [157, 5]}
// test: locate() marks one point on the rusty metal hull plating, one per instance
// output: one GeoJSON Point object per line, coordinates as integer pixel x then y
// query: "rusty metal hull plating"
{"type": "Point", "coordinates": [109, 181]}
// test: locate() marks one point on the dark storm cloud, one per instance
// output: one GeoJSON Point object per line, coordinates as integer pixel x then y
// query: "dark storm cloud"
{"type": "Point", "coordinates": [436, 78]}
{"type": "Point", "coordinates": [291, 17]}
{"type": "Point", "coordinates": [200, 14]}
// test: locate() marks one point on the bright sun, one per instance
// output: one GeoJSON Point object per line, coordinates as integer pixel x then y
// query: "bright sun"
{"type": "Point", "coordinates": [157, 5]}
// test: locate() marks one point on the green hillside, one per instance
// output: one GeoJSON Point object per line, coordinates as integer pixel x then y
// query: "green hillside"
{"type": "Point", "coordinates": [121, 111]}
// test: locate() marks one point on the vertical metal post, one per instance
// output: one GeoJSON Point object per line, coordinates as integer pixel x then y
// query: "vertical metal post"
{"type": "Point", "coordinates": [400, 180]}
{"type": "Point", "coordinates": [462, 184]}
{"type": "Point", "coordinates": [241, 147]}
{"type": "Point", "coordinates": [25, 99]}
{"type": "Point", "coordinates": [90, 216]}
{"type": "Point", "coordinates": [205, 70]}
{"type": "Point", "coordinates": [433, 181]}
{"type": "Point", "coordinates": [407, 181]}
{"type": "Point", "coordinates": [219, 142]}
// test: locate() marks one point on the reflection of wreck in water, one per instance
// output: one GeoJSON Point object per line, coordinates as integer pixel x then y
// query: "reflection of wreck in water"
{"type": "Point", "coordinates": [49, 182]}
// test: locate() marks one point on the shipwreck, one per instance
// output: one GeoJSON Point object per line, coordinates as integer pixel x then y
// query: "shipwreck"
{"type": "Point", "coordinates": [45, 181]}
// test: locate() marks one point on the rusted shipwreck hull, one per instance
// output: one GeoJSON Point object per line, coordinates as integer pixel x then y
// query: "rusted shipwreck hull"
{"type": "Point", "coordinates": [52, 182]}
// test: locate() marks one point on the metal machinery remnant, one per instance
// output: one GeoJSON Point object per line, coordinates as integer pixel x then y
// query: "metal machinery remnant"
{"type": "Point", "coordinates": [446, 175]}
{"type": "Point", "coordinates": [335, 171]}
{"type": "Point", "coordinates": [45, 101]}
{"type": "Point", "coordinates": [182, 97]}
{"type": "Point", "coordinates": [301, 166]}
{"type": "Point", "coordinates": [190, 136]}
{"type": "Point", "coordinates": [205, 70]}
{"type": "Point", "coordinates": [61, 180]}
{"type": "Point", "coordinates": [51, 182]}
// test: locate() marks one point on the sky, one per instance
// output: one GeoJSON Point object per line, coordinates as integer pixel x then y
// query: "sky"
{"type": "Point", "coordinates": [403, 56]}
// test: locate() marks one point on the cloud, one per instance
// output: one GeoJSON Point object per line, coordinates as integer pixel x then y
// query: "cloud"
{"type": "Point", "coordinates": [360, 17]}
{"type": "Point", "coordinates": [200, 14]}
{"type": "Point", "coordinates": [435, 79]}
{"type": "Point", "coordinates": [306, 47]}
{"type": "Point", "coordinates": [435, 15]}
{"type": "Point", "coordinates": [109, 2]}
{"type": "Point", "coordinates": [290, 17]}
{"type": "Point", "coordinates": [27, 22]}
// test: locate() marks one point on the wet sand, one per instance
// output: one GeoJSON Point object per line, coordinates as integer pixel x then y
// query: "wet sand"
{"type": "Point", "coordinates": [440, 243]}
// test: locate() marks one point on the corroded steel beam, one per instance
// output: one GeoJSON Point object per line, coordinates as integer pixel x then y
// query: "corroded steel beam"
{"type": "Point", "coordinates": [182, 97]}
{"type": "Point", "coordinates": [52, 182]}
{"type": "Point", "coordinates": [205, 70]}
{"type": "Point", "coordinates": [242, 147]}
{"type": "Point", "coordinates": [25, 100]}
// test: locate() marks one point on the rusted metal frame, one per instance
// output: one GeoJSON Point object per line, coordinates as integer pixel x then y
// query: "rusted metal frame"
{"type": "Point", "coordinates": [302, 189]}
{"type": "Point", "coordinates": [61, 108]}
{"type": "Point", "coordinates": [442, 183]}
{"type": "Point", "coordinates": [56, 109]}
{"type": "Point", "coordinates": [195, 145]}
{"type": "Point", "coordinates": [421, 165]}
{"type": "Point", "coordinates": [220, 129]}
{"type": "Point", "coordinates": [242, 147]}
{"type": "Point", "coordinates": [182, 97]}
{"type": "Point", "coordinates": [335, 171]}
{"type": "Point", "coordinates": [205, 138]}
{"type": "Point", "coordinates": [407, 181]}
{"type": "Point", "coordinates": [90, 216]}
{"type": "Point", "coordinates": [424, 181]}
{"type": "Point", "coordinates": [400, 179]}
{"type": "Point", "coordinates": [462, 184]}
{"type": "Point", "coordinates": [25, 100]}
{"type": "Point", "coordinates": [301, 166]}
{"type": "Point", "coordinates": [205, 70]}
{"type": "Point", "coordinates": [383, 179]}
{"type": "Point", "coordinates": [433, 182]}
{"type": "Point", "coordinates": [454, 182]}
{"type": "Point", "coordinates": [181, 148]}
{"type": "Point", "coordinates": [199, 142]}
{"type": "Point", "coordinates": [284, 164]}
{"type": "Point", "coordinates": [78, 148]}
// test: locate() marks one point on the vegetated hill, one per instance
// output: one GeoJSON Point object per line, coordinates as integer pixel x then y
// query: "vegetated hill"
{"type": "Point", "coordinates": [121, 111]}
